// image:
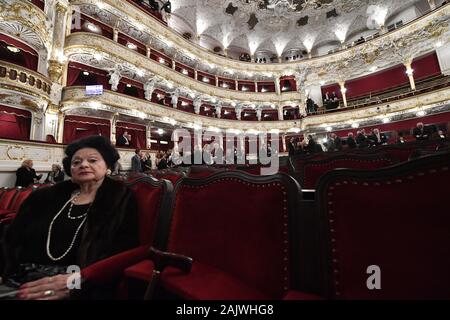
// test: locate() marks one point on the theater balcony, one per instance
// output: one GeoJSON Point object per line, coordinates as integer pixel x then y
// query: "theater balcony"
{"type": "Point", "coordinates": [100, 52]}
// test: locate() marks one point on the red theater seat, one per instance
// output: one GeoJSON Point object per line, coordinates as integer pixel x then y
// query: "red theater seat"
{"type": "Point", "coordinates": [241, 250]}
{"type": "Point", "coordinates": [153, 197]}
{"type": "Point", "coordinates": [395, 218]}
{"type": "Point", "coordinates": [201, 171]}
{"type": "Point", "coordinates": [171, 175]}
{"type": "Point", "coordinates": [313, 170]}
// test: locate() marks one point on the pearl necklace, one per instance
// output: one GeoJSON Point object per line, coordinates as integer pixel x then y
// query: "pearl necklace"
{"type": "Point", "coordinates": [70, 217]}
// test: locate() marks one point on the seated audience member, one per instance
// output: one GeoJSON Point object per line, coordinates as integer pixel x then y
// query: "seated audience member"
{"type": "Point", "coordinates": [56, 175]}
{"type": "Point", "coordinates": [136, 164]}
{"type": "Point", "coordinates": [291, 147]}
{"type": "Point", "coordinates": [26, 175]}
{"type": "Point", "coordinates": [337, 142]}
{"type": "Point", "coordinates": [75, 222]}
{"type": "Point", "coordinates": [161, 162]}
{"type": "Point", "coordinates": [146, 162]}
{"type": "Point", "coordinates": [401, 139]}
{"type": "Point", "coordinates": [123, 140]}
{"type": "Point", "coordinates": [361, 139]}
{"type": "Point", "coordinates": [310, 109]}
{"type": "Point", "coordinates": [421, 132]}
{"type": "Point", "coordinates": [442, 138]}
{"type": "Point", "coordinates": [377, 138]}
{"type": "Point", "coordinates": [313, 146]}
{"type": "Point", "coordinates": [351, 143]}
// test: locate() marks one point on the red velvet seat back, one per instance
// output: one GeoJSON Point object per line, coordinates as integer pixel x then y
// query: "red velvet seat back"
{"type": "Point", "coordinates": [201, 172]}
{"type": "Point", "coordinates": [237, 223]}
{"type": "Point", "coordinates": [396, 218]}
{"type": "Point", "coordinates": [20, 198]}
{"type": "Point", "coordinates": [313, 170]}
{"type": "Point", "coordinates": [7, 199]}
{"type": "Point", "coordinates": [152, 197]}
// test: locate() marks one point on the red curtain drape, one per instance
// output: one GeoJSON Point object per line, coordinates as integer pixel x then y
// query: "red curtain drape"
{"type": "Point", "coordinates": [137, 132]}
{"type": "Point", "coordinates": [79, 127]}
{"type": "Point", "coordinates": [72, 75]}
{"type": "Point", "coordinates": [14, 123]}
{"type": "Point", "coordinates": [75, 69]}
{"type": "Point", "coordinates": [426, 67]}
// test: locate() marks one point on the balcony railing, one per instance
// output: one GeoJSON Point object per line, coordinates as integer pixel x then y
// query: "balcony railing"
{"type": "Point", "coordinates": [28, 79]}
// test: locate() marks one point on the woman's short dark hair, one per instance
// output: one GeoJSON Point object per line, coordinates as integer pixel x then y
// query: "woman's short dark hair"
{"type": "Point", "coordinates": [99, 143]}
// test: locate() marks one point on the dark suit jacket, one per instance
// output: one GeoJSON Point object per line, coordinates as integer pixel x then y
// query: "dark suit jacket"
{"type": "Point", "coordinates": [121, 141]}
{"type": "Point", "coordinates": [111, 226]}
{"type": "Point", "coordinates": [351, 143]}
{"type": "Point", "coordinates": [59, 177]}
{"type": "Point", "coordinates": [421, 134]}
{"type": "Point", "coordinates": [25, 177]}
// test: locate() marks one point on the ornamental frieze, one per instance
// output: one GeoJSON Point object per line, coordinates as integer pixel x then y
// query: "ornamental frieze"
{"type": "Point", "coordinates": [24, 20]}
{"type": "Point", "coordinates": [111, 102]}
{"type": "Point", "coordinates": [81, 47]}
{"type": "Point", "coordinates": [418, 31]}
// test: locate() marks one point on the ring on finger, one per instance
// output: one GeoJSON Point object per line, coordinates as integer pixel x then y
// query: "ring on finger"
{"type": "Point", "coordinates": [49, 293]}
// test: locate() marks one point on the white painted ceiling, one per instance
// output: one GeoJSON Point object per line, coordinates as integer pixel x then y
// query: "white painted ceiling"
{"type": "Point", "coordinates": [277, 24]}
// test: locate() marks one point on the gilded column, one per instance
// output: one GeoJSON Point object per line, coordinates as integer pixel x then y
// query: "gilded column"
{"type": "Point", "coordinates": [148, 134]}
{"type": "Point", "coordinates": [113, 123]}
{"type": "Point", "coordinates": [344, 93]}
{"type": "Point", "coordinates": [410, 73]}
{"type": "Point", "coordinates": [57, 57]}
{"type": "Point", "coordinates": [277, 85]}
{"type": "Point", "coordinates": [60, 134]}
{"type": "Point", "coordinates": [280, 113]}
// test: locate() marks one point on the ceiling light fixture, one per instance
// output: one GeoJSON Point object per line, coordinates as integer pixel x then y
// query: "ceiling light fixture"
{"type": "Point", "coordinates": [92, 27]}
{"type": "Point", "coordinates": [13, 49]}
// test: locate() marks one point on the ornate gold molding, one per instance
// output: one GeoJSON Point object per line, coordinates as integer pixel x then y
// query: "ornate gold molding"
{"type": "Point", "coordinates": [28, 15]}
{"type": "Point", "coordinates": [88, 43]}
{"type": "Point", "coordinates": [131, 13]}
{"type": "Point", "coordinates": [75, 98]}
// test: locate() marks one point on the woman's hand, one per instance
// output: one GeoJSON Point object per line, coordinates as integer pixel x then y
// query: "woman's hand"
{"type": "Point", "coordinates": [48, 288]}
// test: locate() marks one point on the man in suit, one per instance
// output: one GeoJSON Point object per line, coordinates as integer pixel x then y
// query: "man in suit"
{"type": "Point", "coordinates": [337, 142]}
{"type": "Point", "coordinates": [421, 132]}
{"type": "Point", "coordinates": [351, 143]}
{"type": "Point", "coordinates": [136, 164]}
{"type": "Point", "coordinates": [123, 141]}
{"type": "Point", "coordinates": [377, 138]}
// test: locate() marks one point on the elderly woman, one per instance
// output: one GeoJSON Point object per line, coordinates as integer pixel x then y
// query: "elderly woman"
{"type": "Point", "coordinates": [75, 222]}
{"type": "Point", "coordinates": [26, 175]}
{"type": "Point", "coordinates": [56, 175]}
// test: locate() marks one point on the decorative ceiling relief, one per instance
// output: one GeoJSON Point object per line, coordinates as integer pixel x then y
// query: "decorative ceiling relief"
{"type": "Point", "coordinates": [26, 22]}
{"type": "Point", "coordinates": [261, 21]}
